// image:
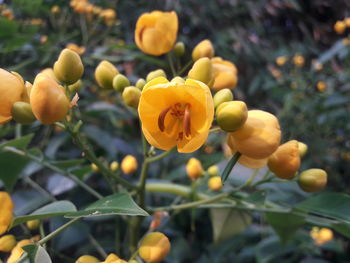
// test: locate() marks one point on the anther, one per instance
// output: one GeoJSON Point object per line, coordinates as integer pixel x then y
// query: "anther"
{"type": "Point", "coordinates": [187, 121]}
{"type": "Point", "coordinates": [161, 119]}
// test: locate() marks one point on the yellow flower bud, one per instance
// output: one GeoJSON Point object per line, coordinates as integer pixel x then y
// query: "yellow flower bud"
{"type": "Point", "coordinates": [202, 70]}
{"type": "Point", "coordinates": [113, 258]}
{"type": "Point", "coordinates": [321, 236]}
{"type": "Point", "coordinates": [154, 247]}
{"type": "Point", "coordinates": [298, 60]}
{"type": "Point", "coordinates": [87, 259]}
{"type": "Point", "coordinates": [74, 47]}
{"type": "Point", "coordinates": [178, 79]}
{"type": "Point", "coordinates": [129, 164]}
{"type": "Point", "coordinates": [133, 261]}
{"type": "Point", "coordinates": [155, 74]}
{"type": "Point", "coordinates": [340, 27]}
{"type": "Point", "coordinates": [22, 112]}
{"type": "Point", "coordinates": [114, 166]}
{"type": "Point", "coordinates": [321, 86]}
{"type": "Point", "coordinates": [231, 115]}
{"type": "Point", "coordinates": [7, 243]}
{"type": "Point", "coordinates": [120, 82]}
{"type": "Point", "coordinates": [302, 149]}
{"type": "Point", "coordinates": [94, 168]}
{"type": "Point", "coordinates": [17, 251]}
{"type": "Point", "coordinates": [281, 60]}
{"type": "Point", "coordinates": [225, 74]}
{"type": "Point", "coordinates": [48, 100]}
{"type": "Point", "coordinates": [131, 96]}
{"type": "Point", "coordinates": [140, 83]}
{"type": "Point", "coordinates": [108, 16]}
{"type": "Point", "coordinates": [285, 161]}
{"type": "Point", "coordinates": [203, 49]}
{"type": "Point", "coordinates": [55, 9]}
{"type": "Point", "coordinates": [213, 170]}
{"type": "Point", "coordinates": [215, 183]}
{"type": "Point", "coordinates": [347, 21]}
{"type": "Point", "coordinates": [179, 49]}
{"type": "Point", "coordinates": [33, 224]}
{"type": "Point", "coordinates": [312, 180]}
{"type": "Point", "coordinates": [75, 87]}
{"type": "Point", "coordinates": [222, 96]}
{"type": "Point", "coordinates": [68, 68]}
{"type": "Point", "coordinates": [6, 210]}
{"type": "Point", "coordinates": [194, 168]}
{"type": "Point", "coordinates": [105, 73]}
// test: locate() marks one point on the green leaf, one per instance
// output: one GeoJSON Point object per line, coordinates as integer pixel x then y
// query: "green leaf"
{"type": "Point", "coordinates": [58, 208]}
{"type": "Point", "coordinates": [7, 27]}
{"type": "Point", "coordinates": [37, 254]}
{"type": "Point", "coordinates": [31, 250]}
{"type": "Point", "coordinates": [117, 204]}
{"type": "Point", "coordinates": [226, 222]}
{"type": "Point", "coordinates": [20, 143]}
{"type": "Point", "coordinates": [333, 205]}
{"type": "Point", "coordinates": [229, 166]}
{"type": "Point", "coordinates": [285, 224]}
{"type": "Point", "coordinates": [342, 228]}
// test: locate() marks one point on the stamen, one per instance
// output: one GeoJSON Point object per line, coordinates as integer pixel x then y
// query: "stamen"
{"type": "Point", "coordinates": [180, 137]}
{"type": "Point", "coordinates": [187, 120]}
{"type": "Point", "coordinates": [161, 119]}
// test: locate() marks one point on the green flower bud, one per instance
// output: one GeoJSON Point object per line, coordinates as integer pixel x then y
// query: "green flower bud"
{"type": "Point", "coordinates": [22, 112]}
{"type": "Point", "coordinates": [202, 70]}
{"type": "Point", "coordinates": [178, 79]}
{"type": "Point", "coordinates": [154, 74]}
{"type": "Point", "coordinates": [221, 96]}
{"type": "Point", "coordinates": [302, 149]}
{"type": "Point", "coordinates": [33, 224]}
{"type": "Point", "coordinates": [75, 87]}
{"type": "Point", "coordinates": [213, 170]}
{"type": "Point", "coordinates": [231, 115]}
{"type": "Point", "coordinates": [140, 83]}
{"type": "Point", "coordinates": [68, 68]}
{"type": "Point", "coordinates": [179, 49]}
{"type": "Point", "coordinates": [120, 82]}
{"type": "Point", "coordinates": [312, 180]}
{"type": "Point", "coordinates": [131, 96]}
{"type": "Point", "coordinates": [105, 73]}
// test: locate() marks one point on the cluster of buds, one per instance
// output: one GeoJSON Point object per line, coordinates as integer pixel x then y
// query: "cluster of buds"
{"type": "Point", "coordinates": [341, 25]}
{"type": "Point", "coordinates": [298, 60]}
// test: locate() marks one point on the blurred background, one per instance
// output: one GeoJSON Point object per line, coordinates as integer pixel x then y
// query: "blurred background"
{"type": "Point", "coordinates": [292, 58]}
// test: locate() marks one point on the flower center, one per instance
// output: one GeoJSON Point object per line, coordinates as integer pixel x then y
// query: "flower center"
{"type": "Point", "coordinates": [180, 123]}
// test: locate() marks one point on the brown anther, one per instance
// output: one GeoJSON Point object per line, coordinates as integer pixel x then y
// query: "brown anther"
{"type": "Point", "coordinates": [161, 119]}
{"type": "Point", "coordinates": [187, 120]}
{"type": "Point", "coordinates": [180, 136]}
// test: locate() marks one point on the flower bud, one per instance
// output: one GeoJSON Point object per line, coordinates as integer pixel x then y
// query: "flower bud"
{"type": "Point", "coordinates": [231, 115]}
{"type": "Point", "coordinates": [194, 168]}
{"type": "Point", "coordinates": [179, 49]}
{"type": "Point", "coordinates": [120, 82]}
{"type": "Point", "coordinates": [285, 161]}
{"type": "Point", "coordinates": [215, 183]}
{"type": "Point", "coordinates": [94, 168]}
{"type": "Point", "coordinates": [178, 79]}
{"type": "Point", "coordinates": [225, 74]}
{"type": "Point", "coordinates": [114, 166]}
{"type": "Point", "coordinates": [131, 96]}
{"type": "Point", "coordinates": [312, 180]}
{"type": "Point", "coordinates": [321, 236]}
{"type": "Point", "coordinates": [129, 164]}
{"type": "Point", "coordinates": [6, 210]}
{"type": "Point", "coordinates": [154, 247]}
{"type": "Point", "coordinates": [321, 86]}
{"type": "Point", "coordinates": [17, 251]}
{"type": "Point", "coordinates": [281, 60]}
{"type": "Point", "coordinates": [113, 258]}
{"type": "Point", "coordinates": [75, 87]}
{"type": "Point", "coordinates": [222, 96]}
{"type": "Point", "coordinates": [140, 83]}
{"type": "Point", "coordinates": [213, 170]}
{"type": "Point", "coordinates": [202, 70]}
{"type": "Point", "coordinates": [298, 60]}
{"type": "Point", "coordinates": [68, 68]}
{"type": "Point", "coordinates": [340, 27]}
{"type": "Point", "coordinates": [155, 74]}
{"type": "Point", "coordinates": [302, 149]}
{"type": "Point", "coordinates": [105, 73]}
{"type": "Point", "coordinates": [203, 49]}
{"type": "Point", "coordinates": [87, 259]}
{"type": "Point", "coordinates": [49, 72]}
{"type": "Point", "coordinates": [22, 112]}
{"type": "Point", "coordinates": [33, 224]}
{"type": "Point", "coordinates": [133, 261]}
{"type": "Point", "coordinates": [48, 100]}
{"type": "Point", "coordinates": [7, 243]}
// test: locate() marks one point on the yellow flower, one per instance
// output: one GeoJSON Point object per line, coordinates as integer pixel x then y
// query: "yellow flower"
{"type": "Point", "coordinates": [298, 60]}
{"type": "Point", "coordinates": [321, 236]}
{"type": "Point", "coordinates": [203, 49]}
{"type": "Point", "coordinates": [225, 74]}
{"type": "Point", "coordinates": [215, 183]}
{"type": "Point", "coordinates": [156, 32]}
{"type": "Point", "coordinates": [11, 90]}
{"type": "Point", "coordinates": [87, 259]}
{"type": "Point", "coordinates": [17, 251]}
{"type": "Point", "coordinates": [176, 114]}
{"type": "Point", "coordinates": [154, 247]}
{"type": "Point", "coordinates": [194, 168]}
{"type": "Point", "coordinates": [7, 243]}
{"type": "Point", "coordinates": [74, 47]}
{"type": "Point", "coordinates": [257, 139]}
{"type": "Point", "coordinates": [281, 60]}
{"type": "Point", "coordinates": [340, 27]}
{"type": "Point", "coordinates": [108, 16]}
{"type": "Point", "coordinates": [129, 164]}
{"type": "Point", "coordinates": [321, 86]}
{"type": "Point", "coordinates": [6, 211]}
{"type": "Point", "coordinates": [285, 161]}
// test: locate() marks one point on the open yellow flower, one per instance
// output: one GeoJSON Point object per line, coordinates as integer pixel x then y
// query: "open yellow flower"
{"type": "Point", "coordinates": [156, 32]}
{"type": "Point", "coordinates": [176, 114]}
{"type": "Point", "coordinates": [225, 74]}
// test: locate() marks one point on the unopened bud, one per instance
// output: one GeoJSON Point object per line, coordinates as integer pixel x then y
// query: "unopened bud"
{"type": "Point", "coordinates": [203, 49]}
{"type": "Point", "coordinates": [68, 68]}
{"type": "Point", "coordinates": [7, 243]}
{"type": "Point", "coordinates": [202, 70]}
{"type": "Point", "coordinates": [22, 112]}
{"type": "Point", "coordinates": [155, 74]}
{"type": "Point", "coordinates": [215, 183]}
{"type": "Point", "coordinates": [140, 83]}
{"type": "Point", "coordinates": [312, 180]}
{"type": "Point", "coordinates": [129, 164]}
{"type": "Point", "coordinates": [120, 82]}
{"type": "Point", "coordinates": [114, 166]}
{"type": "Point", "coordinates": [231, 115]}
{"type": "Point", "coordinates": [179, 49]}
{"type": "Point", "coordinates": [154, 247]}
{"type": "Point", "coordinates": [94, 167]}
{"type": "Point", "coordinates": [302, 147]}
{"type": "Point", "coordinates": [213, 170]}
{"type": "Point", "coordinates": [87, 259]}
{"type": "Point", "coordinates": [33, 224]}
{"type": "Point", "coordinates": [75, 87]}
{"type": "Point", "coordinates": [222, 96]}
{"type": "Point", "coordinates": [194, 168]}
{"type": "Point", "coordinates": [131, 96]}
{"type": "Point", "coordinates": [178, 79]}
{"type": "Point", "coordinates": [105, 73]}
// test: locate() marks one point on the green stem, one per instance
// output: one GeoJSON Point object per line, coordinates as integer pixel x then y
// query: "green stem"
{"type": "Point", "coordinates": [180, 72]}
{"type": "Point", "coordinates": [98, 247]}
{"type": "Point", "coordinates": [37, 187]}
{"type": "Point", "coordinates": [18, 130]}
{"type": "Point", "coordinates": [54, 168]}
{"type": "Point", "coordinates": [230, 166]}
{"type": "Point", "coordinates": [160, 156]}
{"type": "Point", "coordinates": [215, 129]}
{"type": "Point", "coordinates": [171, 63]}
{"type": "Point", "coordinates": [57, 231]}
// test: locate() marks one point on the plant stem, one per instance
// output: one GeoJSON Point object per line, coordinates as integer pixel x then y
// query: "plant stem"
{"type": "Point", "coordinates": [37, 187]}
{"type": "Point", "coordinates": [215, 129]}
{"type": "Point", "coordinates": [98, 247]}
{"type": "Point", "coordinates": [180, 72]}
{"type": "Point", "coordinates": [57, 231]}
{"type": "Point", "coordinates": [160, 156]}
{"type": "Point", "coordinates": [18, 130]}
{"type": "Point", "coordinates": [171, 63]}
